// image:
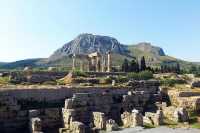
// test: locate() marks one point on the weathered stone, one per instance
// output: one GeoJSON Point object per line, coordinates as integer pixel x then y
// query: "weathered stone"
{"type": "Point", "coordinates": [137, 118]}
{"type": "Point", "coordinates": [154, 118]}
{"type": "Point", "coordinates": [111, 125]}
{"type": "Point", "coordinates": [35, 125]}
{"type": "Point", "coordinates": [68, 117]}
{"type": "Point", "coordinates": [195, 83]}
{"type": "Point", "coordinates": [35, 79]}
{"type": "Point", "coordinates": [77, 127]}
{"type": "Point", "coordinates": [99, 120]}
{"type": "Point", "coordinates": [181, 115]}
{"type": "Point", "coordinates": [132, 119]}
{"type": "Point", "coordinates": [33, 113]}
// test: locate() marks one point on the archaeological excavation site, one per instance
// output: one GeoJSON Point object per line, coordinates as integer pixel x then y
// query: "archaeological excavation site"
{"type": "Point", "coordinates": [95, 99]}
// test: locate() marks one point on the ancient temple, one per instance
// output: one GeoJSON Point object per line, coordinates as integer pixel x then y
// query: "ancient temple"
{"type": "Point", "coordinates": [96, 62]}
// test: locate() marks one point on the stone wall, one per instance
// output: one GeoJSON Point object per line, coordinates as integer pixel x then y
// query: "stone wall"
{"type": "Point", "coordinates": [19, 102]}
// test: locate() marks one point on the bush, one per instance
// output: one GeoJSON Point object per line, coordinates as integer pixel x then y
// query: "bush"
{"type": "Point", "coordinates": [60, 82]}
{"type": "Point", "coordinates": [105, 80]}
{"type": "Point", "coordinates": [171, 82]}
{"type": "Point", "coordinates": [4, 80]}
{"type": "Point", "coordinates": [144, 75]}
{"type": "Point", "coordinates": [80, 73]}
{"type": "Point", "coordinates": [50, 83]}
{"type": "Point", "coordinates": [122, 79]}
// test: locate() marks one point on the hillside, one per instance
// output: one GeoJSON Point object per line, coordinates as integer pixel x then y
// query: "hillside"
{"type": "Point", "coordinates": [85, 44]}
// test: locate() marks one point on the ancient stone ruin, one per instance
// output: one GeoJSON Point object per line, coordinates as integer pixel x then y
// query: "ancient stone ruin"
{"type": "Point", "coordinates": [96, 62]}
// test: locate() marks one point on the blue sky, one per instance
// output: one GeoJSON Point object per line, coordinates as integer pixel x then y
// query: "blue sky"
{"type": "Point", "coordinates": [36, 28]}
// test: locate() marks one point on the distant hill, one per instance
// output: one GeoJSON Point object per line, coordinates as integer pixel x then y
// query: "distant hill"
{"type": "Point", "coordinates": [85, 44]}
{"type": "Point", "coordinates": [23, 63]}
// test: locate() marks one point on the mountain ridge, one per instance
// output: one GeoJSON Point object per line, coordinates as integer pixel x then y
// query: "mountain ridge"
{"type": "Point", "coordinates": [86, 43]}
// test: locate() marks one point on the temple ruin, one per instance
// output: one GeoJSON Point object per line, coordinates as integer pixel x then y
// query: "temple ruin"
{"type": "Point", "coordinates": [96, 62]}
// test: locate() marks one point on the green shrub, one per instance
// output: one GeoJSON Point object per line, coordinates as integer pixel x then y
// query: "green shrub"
{"type": "Point", "coordinates": [122, 79]}
{"type": "Point", "coordinates": [80, 73]}
{"type": "Point", "coordinates": [4, 80]}
{"type": "Point", "coordinates": [144, 75]}
{"type": "Point", "coordinates": [105, 80]}
{"type": "Point", "coordinates": [50, 83]}
{"type": "Point", "coordinates": [60, 82]}
{"type": "Point", "coordinates": [197, 75]}
{"type": "Point", "coordinates": [171, 82]}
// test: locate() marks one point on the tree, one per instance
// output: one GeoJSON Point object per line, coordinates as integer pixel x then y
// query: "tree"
{"type": "Point", "coordinates": [178, 69]}
{"type": "Point", "coordinates": [143, 64]}
{"type": "Point", "coordinates": [125, 66]}
{"type": "Point", "coordinates": [134, 67]}
{"type": "Point", "coordinates": [193, 69]}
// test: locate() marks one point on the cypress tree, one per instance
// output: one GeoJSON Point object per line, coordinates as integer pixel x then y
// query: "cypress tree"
{"type": "Point", "coordinates": [125, 66]}
{"type": "Point", "coordinates": [143, 64]}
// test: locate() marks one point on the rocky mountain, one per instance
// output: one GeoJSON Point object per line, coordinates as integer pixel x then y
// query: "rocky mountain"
{"type": "Point", "coordinates": [89, 43]}
{"type": "Point", "coordinates": [85, 44]}
{"type": "Point", "coordinates": [147, 47]}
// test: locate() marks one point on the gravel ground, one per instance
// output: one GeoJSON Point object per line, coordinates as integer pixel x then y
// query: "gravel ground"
{"type": "Point", "coordinates": [158, 130]}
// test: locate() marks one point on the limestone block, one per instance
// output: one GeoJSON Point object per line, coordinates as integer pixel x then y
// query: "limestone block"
{"type": "Point", "coordinates": [195, 83]}
{"type": "Point", "coordinates": [33, 113]}
{"type": "Point", "coordinates": [35, 125]}
{"type": "Point", "coordinates": [68, 103]}
{"type": "Point", "coordinates": [111, 125]}
{"type": "Point", "coordinates": [159, 118]}
{"type": "Point", "coordinates": [99, 120]}
{"type": "Point", "coordinates": [137, 118]}
{"type": "Point", "coordinates": [68, 116]}
{"type": "Point", "coordinates": [126, 119]}
{"type": "Point", "coordinates": [154, 118]}
{"type": "Point", "coordinates": [181, 115]}
{"type": "Point", "coordinates": [77, 127]}
{"type": "Point", "coordinates": [64, 130]}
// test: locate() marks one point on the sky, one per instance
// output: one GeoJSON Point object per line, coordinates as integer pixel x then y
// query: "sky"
{"type": "Point", "coordinates": [36, 28]}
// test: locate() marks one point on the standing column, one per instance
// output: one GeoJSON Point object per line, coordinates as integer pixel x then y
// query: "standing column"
{"type": "Point", "coordinates": [103, 64]}
{"type": "Point", "coordinates": [93, 63]}
{"type": "Point", "coordinates": [97, 64]}
{"type": "Point", "coordinates": [81, 66]}
{"type": "Point", "coordinates": [89, 65]}
{"type": "Point", "coordinates": [73, 62]}
{"type": "Point", "coordinates": [109, 65]}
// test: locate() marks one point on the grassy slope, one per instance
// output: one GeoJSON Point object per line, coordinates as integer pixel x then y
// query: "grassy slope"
{"type": "Point", "coordinates": [159, 59]}
{"type": "Point", "coordinates": [117, 60]}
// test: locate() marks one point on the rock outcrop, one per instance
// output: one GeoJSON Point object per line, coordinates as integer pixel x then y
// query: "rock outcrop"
{"type": "Point", "coordinates": [89, 43]}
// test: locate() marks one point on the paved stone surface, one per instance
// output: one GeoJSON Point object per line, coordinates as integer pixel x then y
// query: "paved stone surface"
{"type": "Point", "coordinates": [158, 130]}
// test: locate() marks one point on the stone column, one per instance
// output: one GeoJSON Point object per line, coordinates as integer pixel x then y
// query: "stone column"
{"type": "Point", "coordinates": [81, 66]}
{"type": "Point", "coordinates": [74, 62]}
{"type": "Point", "coordinates": [109, 65]}
{"type": "Point", "coordinates": [103, 64]}
{"type": "Point", "coordinates": [93, 63]}
{"type": "Point", "coordinates": [89, 65]}
{"type": "Point", "coordinates": [98, 63]}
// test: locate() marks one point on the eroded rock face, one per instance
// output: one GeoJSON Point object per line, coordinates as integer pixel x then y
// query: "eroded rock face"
{"type": "Point", "coordinates": [88, 43]}
{"type": "Point", "coordinates": [156, 119]}
{"type": "Point", "coordinates": [181, 115]}
{"type": "Point", "coordinates": [132, 119]}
